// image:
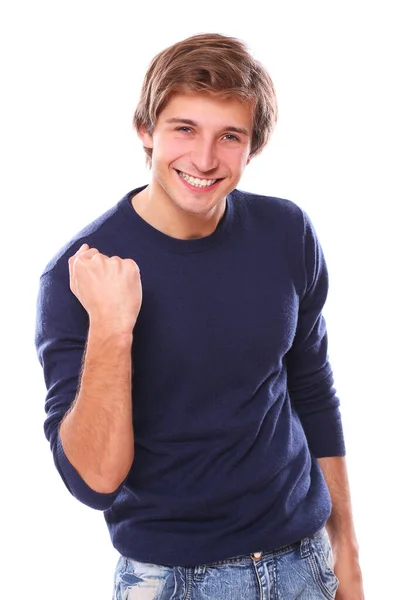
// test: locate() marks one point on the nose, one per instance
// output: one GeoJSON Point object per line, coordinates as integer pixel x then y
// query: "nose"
{"type": "Point", "coordinates": [204, 156]}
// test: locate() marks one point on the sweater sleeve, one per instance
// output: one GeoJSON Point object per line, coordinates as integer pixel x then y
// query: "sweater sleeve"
{"type": "Point", "coordinates": [60, 339]}
{"type": "Point", "coordinates": [310, 377]}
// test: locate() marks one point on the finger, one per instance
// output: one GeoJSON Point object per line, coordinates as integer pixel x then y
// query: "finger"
{"type": "Point", "coordinates": [83, 248]}
{"type": "Point", "coordinates": [71, 262]}
{"type": "Point", "coordinates": [84, 255]}
{"type": "Point", "coordinates": [88, 253]}
{"type": "Point", "coordinates": [70, 272]}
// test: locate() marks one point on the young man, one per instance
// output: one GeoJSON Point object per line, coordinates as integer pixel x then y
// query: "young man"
{"type": "Point", "coordinates": [192, 401]}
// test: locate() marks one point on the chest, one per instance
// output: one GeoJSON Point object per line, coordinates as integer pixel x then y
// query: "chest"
{"type": "Point", "coordinates": [242, 307]}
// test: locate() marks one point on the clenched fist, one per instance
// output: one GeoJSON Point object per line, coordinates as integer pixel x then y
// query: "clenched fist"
{"type": "Point", "coordinates": [109, 288]}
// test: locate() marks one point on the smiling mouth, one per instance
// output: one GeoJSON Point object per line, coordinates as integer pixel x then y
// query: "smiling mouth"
{"type": "Point", "coordinates": [197, 181]}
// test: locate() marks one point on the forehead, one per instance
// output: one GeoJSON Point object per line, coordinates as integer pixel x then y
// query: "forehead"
{"type": "Point", "coordinates": [207, 110]}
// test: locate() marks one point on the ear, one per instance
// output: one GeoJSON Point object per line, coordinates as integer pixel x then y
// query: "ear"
{"type": "Point", "coordinates": [145, 137]}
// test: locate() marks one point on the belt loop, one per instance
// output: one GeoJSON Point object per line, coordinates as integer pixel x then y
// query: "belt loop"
{"type": "Point", "coordinates": [305, 549]}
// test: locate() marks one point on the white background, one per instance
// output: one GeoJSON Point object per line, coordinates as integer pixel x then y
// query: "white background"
{"type": "Point", "coordinates": [70, 78]}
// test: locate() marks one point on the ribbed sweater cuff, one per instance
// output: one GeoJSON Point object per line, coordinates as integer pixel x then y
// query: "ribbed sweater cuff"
{"type": "Point", "coordinates": [324, 432]}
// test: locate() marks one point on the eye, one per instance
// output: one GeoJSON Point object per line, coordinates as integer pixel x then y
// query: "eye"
{"type": "Point", "coordinates": [184, 129]}
{"type": "Point", "coordinates": [232, 138]}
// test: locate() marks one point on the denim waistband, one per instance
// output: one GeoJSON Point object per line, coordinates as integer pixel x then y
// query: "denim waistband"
{"type": "Point", "coordinates": [302, 545]}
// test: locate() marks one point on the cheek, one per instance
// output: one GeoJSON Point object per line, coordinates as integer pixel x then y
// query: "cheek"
{"type": "Point", "coordinates": [237, 160]}
{"type": "Point", "coordinates": [169, 150]}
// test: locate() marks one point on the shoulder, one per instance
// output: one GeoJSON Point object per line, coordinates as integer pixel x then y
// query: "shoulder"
{"type": "Point", "coordinates": [280, 213]}
{"type": "Point", "coordinates": [108, 225]}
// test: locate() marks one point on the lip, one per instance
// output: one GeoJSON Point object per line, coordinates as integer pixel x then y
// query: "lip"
{"type": "Point", "coordinates": [198, 189]}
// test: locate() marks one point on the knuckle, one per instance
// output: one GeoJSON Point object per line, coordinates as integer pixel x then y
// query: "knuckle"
{"type": "Point", "coordinates": [130, 262]}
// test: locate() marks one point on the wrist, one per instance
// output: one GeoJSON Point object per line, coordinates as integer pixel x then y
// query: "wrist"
{"type": "Point", "coordinates": [103, 332]}
{"type": "Point", "coordinates": [343, 542]}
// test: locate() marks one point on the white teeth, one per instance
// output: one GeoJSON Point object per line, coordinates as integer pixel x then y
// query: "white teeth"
{"type": "Point", "coordinates": [196, 181]}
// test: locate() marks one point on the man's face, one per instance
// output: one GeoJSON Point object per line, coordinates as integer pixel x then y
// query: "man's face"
{"type": "Point", "coordinates": [201, 146]}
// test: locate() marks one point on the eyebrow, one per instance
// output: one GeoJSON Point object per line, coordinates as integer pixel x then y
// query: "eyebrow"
{"type": "Point", "coordinates": [241, 130]}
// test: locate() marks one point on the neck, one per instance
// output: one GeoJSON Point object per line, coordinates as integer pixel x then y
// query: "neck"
{"type": "Point", "coordinates": [155, 206]}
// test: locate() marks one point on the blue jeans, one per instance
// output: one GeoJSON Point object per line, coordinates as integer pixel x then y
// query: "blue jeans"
{"type": "Point", "coordinates": [301, 571]}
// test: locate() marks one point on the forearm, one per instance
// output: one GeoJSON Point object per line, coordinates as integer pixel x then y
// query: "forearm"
{"type": "Point", "coordinates": [97, 432]}
{"type": "Point", "coordinates": [340, 525]}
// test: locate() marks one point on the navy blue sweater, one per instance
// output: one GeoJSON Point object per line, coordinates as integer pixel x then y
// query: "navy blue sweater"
{"type": "Point", "coordinates": [233, 396]}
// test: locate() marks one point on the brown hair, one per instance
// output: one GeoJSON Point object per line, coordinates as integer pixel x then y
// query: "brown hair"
{"type": "Point", "coordinates": [213, 64]}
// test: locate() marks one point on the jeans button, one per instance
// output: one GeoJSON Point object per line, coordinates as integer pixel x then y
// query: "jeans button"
{"type": "Point", "coordinates": [256, 555]}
